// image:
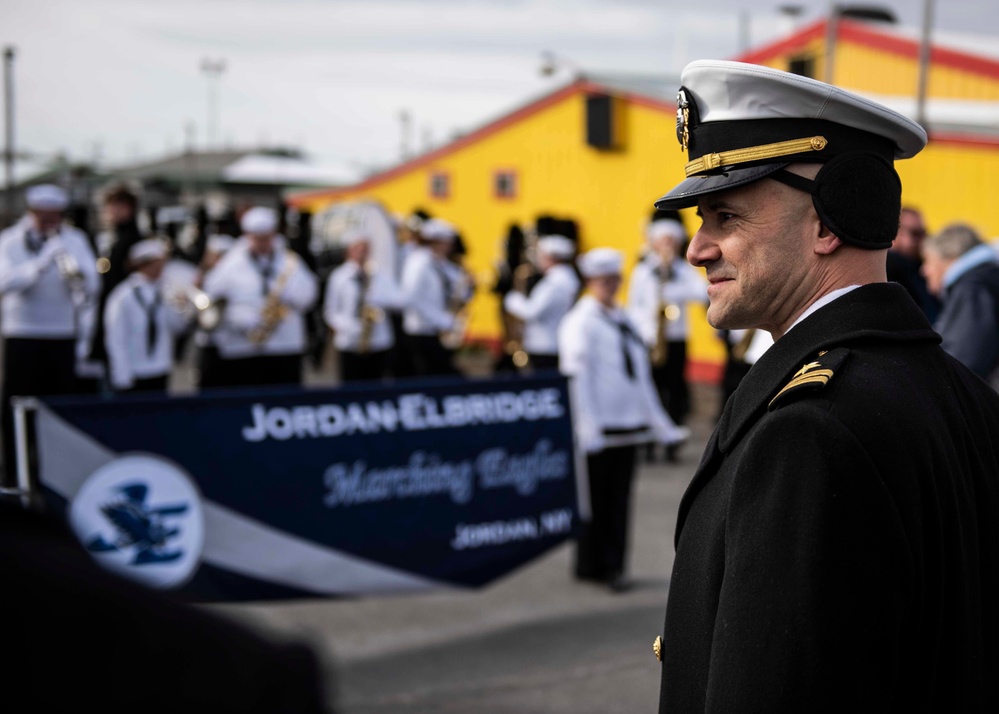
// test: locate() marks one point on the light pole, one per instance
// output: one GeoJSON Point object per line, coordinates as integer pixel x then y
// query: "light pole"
{"type": "Point", "coordinates": [551, 63]}
{"type": "Point", "coordinates": [8, 152]}
{"type": "Point", "coordinates": [213, 70]}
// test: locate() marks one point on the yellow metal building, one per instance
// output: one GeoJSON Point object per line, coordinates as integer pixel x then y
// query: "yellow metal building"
{"type": "Point", "coordinates": [548, 157]}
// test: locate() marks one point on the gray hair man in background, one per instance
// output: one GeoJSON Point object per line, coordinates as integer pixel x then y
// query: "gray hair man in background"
{"type": "Point", "coordinates": [963, 272]}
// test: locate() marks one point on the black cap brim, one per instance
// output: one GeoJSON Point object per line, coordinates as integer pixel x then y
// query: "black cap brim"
{"type": "Point", "coordinates": [689, 191]}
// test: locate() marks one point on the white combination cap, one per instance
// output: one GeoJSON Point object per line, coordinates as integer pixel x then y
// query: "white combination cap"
{"type": "Point", "coordinates": [740, 122]}
{"type": "Point", "coordinates": [600, 262]}
{"type": "Point", "coordinates": [666, 228]}
{"type": "Point", "coordinates": [219, 243]}
{"type": "Point", "coordinates": [259, 220]}
{"type": "Point", "coordinates": [436, 229]}
{"type": "Point", "coordinates": [558, 247]}
{"type": "Point", "coordinates": [46, 197]}
{"type": "Point", "coordinates": [352, 236]}
{"type": "Point", "coordinates": [147, 250]}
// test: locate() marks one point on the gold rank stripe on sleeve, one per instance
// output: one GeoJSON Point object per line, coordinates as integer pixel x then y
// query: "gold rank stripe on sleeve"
{"type": "Point", "coordinates": [754, 153]}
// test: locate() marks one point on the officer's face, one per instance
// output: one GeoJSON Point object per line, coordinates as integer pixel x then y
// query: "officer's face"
{"type": "Point", "coordinates": [754, 245]}
{"type": "Point", "coordinates": [933, 268]}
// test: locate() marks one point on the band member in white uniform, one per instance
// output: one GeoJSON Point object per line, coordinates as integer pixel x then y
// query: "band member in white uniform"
{"type": "Point", "coordinates": [209, 373]}
{"type": "Point", "coordinates": [661, 287]}
{"type": "Point", "coordinates": [48, 277]}
{"type": "Point", "coordinates": [358, 300]}
{"type": "Point", "coordinates": [542, 311]}
{"type": "Point", "coordinates": [616, 408]}
{"type": "Point", "coordinates": [431, 295]}
{"type": "Point", "coordinates": [266, 289]}
{"type": "Point", "coordinates": [140, 325]}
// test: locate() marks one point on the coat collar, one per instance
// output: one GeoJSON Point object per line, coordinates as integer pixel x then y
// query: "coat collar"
{"type": "Point", "coordinates": [879, 311]}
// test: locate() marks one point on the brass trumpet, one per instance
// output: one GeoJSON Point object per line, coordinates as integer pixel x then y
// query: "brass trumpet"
{"type": "Point", "coordinates": [196, 303]}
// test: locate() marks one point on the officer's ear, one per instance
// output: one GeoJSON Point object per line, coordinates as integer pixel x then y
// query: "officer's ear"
{"type": "Point", "coordinates": [826, 242]}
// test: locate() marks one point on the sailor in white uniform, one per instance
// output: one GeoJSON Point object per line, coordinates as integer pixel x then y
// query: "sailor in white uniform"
{"type": "Point", "coordinates": [542, 311]}
{"type": "Point", "coordinates": [266, 289]}
{"type": "Point", "coordinates": [140, 325]}
{"type": "Point", "coordinates": [48, 278]}
{"type": "Point", "coordinates": [615, 408]}
{"type": "Point", "coordinates": [661, 288]}
{"type": "Point", "coordinates": [359, 298]}
{"type": "Point", "coordinates": [209, 371]}
{"type": "Point", "coordinates": [432, 295]}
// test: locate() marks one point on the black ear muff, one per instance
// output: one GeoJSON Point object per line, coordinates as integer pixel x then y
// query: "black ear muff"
{"type": "Point", "coordinates": [858, 197]}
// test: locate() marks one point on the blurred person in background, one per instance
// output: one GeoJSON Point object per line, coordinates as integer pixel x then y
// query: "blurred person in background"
{"type": "Point", "coordinates": [542, 310]}
{"type": "Point", "coordinates": [616, 409]}
{"type": "Point", "coordinates": [209, 374]}
{"type": "Point", "coordinates": [140, 325]}
{"type": "Point", "coordinates": [432, 299]}
{"type": "Point", "coordinates": [48, 276]}
{"type": "Point", "coordinates": [119, 215]}
{"type": "Point", "coordinates": [661, 287]}
{"type": "Point", "coordinates": [905, 258]}
{"type": "Point", "coordinates": [359, 299]}
{"type": "Point", "coordinates": [963, 272]}
{"type": "Point", "coordinates": [266, 290]}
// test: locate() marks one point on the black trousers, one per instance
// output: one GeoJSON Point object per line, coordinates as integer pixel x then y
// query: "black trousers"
{"type": "Point", "coordinates": [358, 367]}
{"type": "Point", "coordinates": [543, 362]}
{"type": "Point", "coordinates": [671, 382]}
{"type": "Point", "coordinates": [261, 371]}
{"type": "Point", "coordinates": [602, 542]}
{"type": "Point", "coordinates": [210, 367]}
{"type": "Point", "coordinates": [430, 357]}
{"type": "Point", "coordinates": [33, 367]}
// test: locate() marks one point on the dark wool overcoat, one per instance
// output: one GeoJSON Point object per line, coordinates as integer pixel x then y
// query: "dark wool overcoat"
{"type": "Point", "coordinates": [838, 547]}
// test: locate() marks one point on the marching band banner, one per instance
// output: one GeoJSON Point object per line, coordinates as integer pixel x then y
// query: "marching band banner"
{"type": "Point", "coordinates": [304, 493]}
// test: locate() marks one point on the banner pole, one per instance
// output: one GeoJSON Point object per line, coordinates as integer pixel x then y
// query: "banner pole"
{"type": "Point", "coordinates": [21, 406]}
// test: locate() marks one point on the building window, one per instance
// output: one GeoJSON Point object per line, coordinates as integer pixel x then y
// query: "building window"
{"type": "Point", "coordinates": [505, 184]}
{"type": "Point", "coordinates": [803, 65]}
{"type": "Point", "coordinates": [440, 185]}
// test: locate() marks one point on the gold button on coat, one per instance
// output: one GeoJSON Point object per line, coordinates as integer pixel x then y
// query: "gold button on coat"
{"type": "Point", "coordinates": [657, 647]}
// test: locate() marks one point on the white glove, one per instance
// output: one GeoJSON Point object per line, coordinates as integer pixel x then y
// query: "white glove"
{"type": "Point", "coordinates": [46, 256]}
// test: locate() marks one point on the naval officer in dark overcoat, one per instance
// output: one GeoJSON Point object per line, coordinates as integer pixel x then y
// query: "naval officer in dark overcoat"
{"type": "Point", "coordinates": [838, 546]}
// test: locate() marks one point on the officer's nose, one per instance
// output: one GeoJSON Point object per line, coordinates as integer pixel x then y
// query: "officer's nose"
{"type": "Point", "coordinates": [702, 249]}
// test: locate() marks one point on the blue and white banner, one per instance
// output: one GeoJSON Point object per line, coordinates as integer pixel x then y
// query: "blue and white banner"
{"type": "Point", "coordinates": [299, 493]}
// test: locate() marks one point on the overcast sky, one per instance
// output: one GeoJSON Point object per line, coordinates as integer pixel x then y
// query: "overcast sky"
{"type": "Point", "coordinates": [121, 79]}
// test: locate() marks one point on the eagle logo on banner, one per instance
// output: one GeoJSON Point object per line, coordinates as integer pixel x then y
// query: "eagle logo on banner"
{"type": "Point", "coordinates": [140, 515]}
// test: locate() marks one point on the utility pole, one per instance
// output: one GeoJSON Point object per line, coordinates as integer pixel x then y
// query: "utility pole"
{"type": "Point", "coordinates": [8, 153]}
{"type": "Point", "coordinates": [925, 48]}
{"type": "Point", "coordinates": [213, 70]}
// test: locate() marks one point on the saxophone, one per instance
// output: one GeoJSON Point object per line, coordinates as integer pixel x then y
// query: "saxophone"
{"type": "Point", "coordinates": [370, 314]}
{"type": "Point", "coordinates": [515, 326]}
{"type": "Point", "coordinates": [452, 339]}
{"type": "Point", "coordinates": [274, 311]}
{"type": "Point", "coordinates": [665, 311]}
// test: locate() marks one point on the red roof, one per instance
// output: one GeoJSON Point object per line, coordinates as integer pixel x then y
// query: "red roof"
{"type": "Point", "coordinates": [871, 36]}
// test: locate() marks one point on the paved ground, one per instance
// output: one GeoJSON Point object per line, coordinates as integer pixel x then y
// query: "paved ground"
{"type": "Point", "coordinates": [537, 641]}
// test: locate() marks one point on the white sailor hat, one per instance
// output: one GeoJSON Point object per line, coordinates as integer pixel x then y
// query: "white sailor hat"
{"type": "Point", "coordinates": [147, 250]}
{"type": "Point", "coordinates": [558, 247]}
{"type": "Point", "coordinates": [600, 262]}
{"type": "Point", "coordinates": [740, 123]}
{"type": "Point", "coordinates": [666, 228]}
{"type": "Point", "coordinates": [352, 236]}
{"type": "Point", "coordinates": [46, 197]}
{"type": "Point", "coordinates": [436, 229]}
{"type": "Point", "coordinates": [259, 220]}
{"type": "Point", "coordinates": [219, 243]}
